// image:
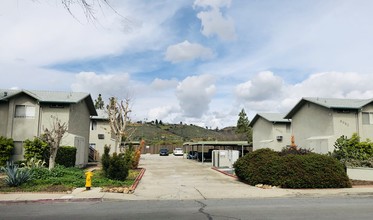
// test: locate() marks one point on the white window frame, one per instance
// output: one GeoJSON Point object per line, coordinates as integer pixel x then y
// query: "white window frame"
{"type": "Point", "coordinates": [370, 118]}
{"type": "Point", "coordinates": [24, 111]}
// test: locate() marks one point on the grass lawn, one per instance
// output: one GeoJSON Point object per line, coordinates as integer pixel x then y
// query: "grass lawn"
{"type": "Point", "coordinates": [63, 179]}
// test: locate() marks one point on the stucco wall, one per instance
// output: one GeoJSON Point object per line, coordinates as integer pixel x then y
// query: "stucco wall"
{"type": "Point", "coordinates": [366, 131]}
{"type": "Point", "coordinates": [262, 134]}
{"type": "Point", "coordinates": [102, 127]}
{"type": "Point", "coordinates": [79, 125]}
{"type": "Point", "coordinates": [360, 173]}
{"type": "Point", "coordinates": [4, 108]}
{"type": "Point", "coordinates": [280, 129]}
{"type": "Point", "coordinates": [345, 123]}
{"type": "Point", "coordinates": [265, 133]}
{"type": "Point", "coordinates": [312, 121]}
{"type": "Point", "coordinates": [24, 128]}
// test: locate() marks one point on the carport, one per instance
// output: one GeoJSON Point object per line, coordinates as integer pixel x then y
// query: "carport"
{"type": "Point", "coordinates": [217, 145]}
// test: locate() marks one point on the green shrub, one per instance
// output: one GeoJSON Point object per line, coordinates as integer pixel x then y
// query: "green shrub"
{"type": "Point", "coordinates": [35, 148]}
{"type": "Point", "coordinates": [105, 160]}
{"type": "Point", "coordinates": [129, 156]}
{"type": "Point", "coordinates": [353, 152]}
{"type": "Point", "coordinates": [66, 156]}
{"type": "Point", "coordinates": [16, 176]}
{"type": "Point", "coordinates": [310, 170]}
{"type": "Point", "coordinates": [6, 148]}
{"type": "Point", "coordinates": [265, 164]}
{"type": "Point", "coordinates": [118, 169]}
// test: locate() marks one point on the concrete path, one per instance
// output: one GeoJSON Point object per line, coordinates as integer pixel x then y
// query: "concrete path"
{"type": "Point", "coordinates": [176, 178]}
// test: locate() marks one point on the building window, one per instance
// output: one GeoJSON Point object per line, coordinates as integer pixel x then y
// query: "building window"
{"type": "Point", "coordinates": [367, 118]}
{"type": "Point", "coordinates": [25, 111]}
{"type": "Point", "coordinates": [93, 125]}
{"type": "Point", "coordinates": [101, 136]}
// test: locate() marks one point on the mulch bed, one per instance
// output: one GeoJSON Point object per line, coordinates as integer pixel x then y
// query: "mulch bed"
{"type": "Point", "coordinates": [361, 183]}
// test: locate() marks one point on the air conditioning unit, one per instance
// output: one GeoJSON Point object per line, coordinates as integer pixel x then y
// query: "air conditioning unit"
{"type": "Point", "coordinates": [279, 138]}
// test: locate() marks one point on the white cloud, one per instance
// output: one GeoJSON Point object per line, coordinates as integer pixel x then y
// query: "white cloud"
{"type": "Point", "coordinates": [265, 85]}
{"type": "Point", "coordinates": [187, 51]}
{"type": "Point", "coordinates": [164, 84]}
{"type": "Point", "coordinates": [194, 94]}
{"type": "Point", "coordinates": [164, 113]}
{"type": "Point", "coordinates": [107, 84]}
{"type": "Point", "coordinates": [267, 92]}
{"type": "Point", "coordinates": [213, 21]}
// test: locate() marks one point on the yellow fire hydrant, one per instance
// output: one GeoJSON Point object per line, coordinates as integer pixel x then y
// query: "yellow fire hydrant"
{"type": "Point", "coordinates": [88, 180]}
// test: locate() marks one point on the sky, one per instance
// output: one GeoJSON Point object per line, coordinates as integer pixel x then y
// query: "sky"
{"type": "Point", "coordinates": [191, 61]}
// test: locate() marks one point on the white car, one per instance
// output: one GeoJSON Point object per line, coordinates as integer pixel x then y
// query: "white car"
{"type": "Point", "coordinates": [178, 152]}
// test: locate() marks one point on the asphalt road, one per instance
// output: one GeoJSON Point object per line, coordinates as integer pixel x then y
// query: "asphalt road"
{"type": "Point", "coordinates": [268, 208]}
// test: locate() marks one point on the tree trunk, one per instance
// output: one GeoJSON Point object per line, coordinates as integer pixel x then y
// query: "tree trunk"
{"type": "Point", "coordinates": [52, 158]}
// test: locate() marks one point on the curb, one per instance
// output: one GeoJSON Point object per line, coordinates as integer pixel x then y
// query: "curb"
{"type": "Point", "coordinates": [225, 173]}
{"type": "Point", "coordinates": [51, 200]}
{"type": "Point", "coordinates": [137, 180]}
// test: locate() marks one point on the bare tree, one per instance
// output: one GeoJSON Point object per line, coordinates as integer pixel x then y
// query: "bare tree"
{"type": "Point", "coordinates": [118, 112]}
{"type": "Point", "coordinates": [53, 137]}
{"type": "Point", "coordinates": [88, 7]}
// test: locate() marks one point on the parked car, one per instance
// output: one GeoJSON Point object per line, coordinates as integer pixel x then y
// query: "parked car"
{"type": "Point", "coordinates": [178, 152]}
{"type": "Point", "coordinates": [192, 155]}
{"type": "Point", "coordinates": [163, 152]}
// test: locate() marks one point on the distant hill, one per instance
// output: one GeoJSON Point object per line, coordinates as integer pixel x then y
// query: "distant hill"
{"type": "Point", "coordinates": [177, 134]}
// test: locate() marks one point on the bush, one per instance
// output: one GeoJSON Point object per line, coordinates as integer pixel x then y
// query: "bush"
{"type": "Point", "coordinates": [105, 160]}
{"type": "Point", "coordinates": [129, 156]}
{"type": "Point", "coordinates": [66, 156]}
{"type": "Point", "coordinates": [310, 170]}
{"type": "Point", "coordinates": [118, 169]}
{"type": "Point", "coordinates": [35, 149]}
{"type": "Point", "coordinates": [6, 148]}
{"type": "Point", "coordinates": [351, 150]}
{"type": "Point", "coordinates": [294, 150]}
{"type": "Point", "coordinates": [16, 176]}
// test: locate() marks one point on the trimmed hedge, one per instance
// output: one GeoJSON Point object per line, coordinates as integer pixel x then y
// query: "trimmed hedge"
{"type": "Point", "coordinates": [66, 156]}
{"type": "Point", "coordinates": [265, 166]}
{"type": "Point", "coordinates": [6, 149]}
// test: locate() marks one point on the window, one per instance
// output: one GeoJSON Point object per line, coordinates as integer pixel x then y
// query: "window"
{"type": "Point", "coordinates": [101, 136]}
{"type": "Point", "coordinates": [25, 111]}
{"type": "Point", "coordinates": [93, 125]}
{"type": "Point", "coordinates": [367, 118]}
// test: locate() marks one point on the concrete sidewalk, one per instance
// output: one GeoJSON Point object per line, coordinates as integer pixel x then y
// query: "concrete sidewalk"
{"type": "Point", "coordinates": [95, 195]}
{"type": "Point", "coordinates": [175, 178]}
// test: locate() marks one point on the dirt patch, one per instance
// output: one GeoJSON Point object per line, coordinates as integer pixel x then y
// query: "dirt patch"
{"type": "Point", "coordinates": [361, 183]}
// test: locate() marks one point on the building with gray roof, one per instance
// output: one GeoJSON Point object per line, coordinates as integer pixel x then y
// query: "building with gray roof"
{"type": "Point", "coordinates": [24, 114]}
{"type": "Point", "coordinates": [318, 122]}
{"type": "Point", "coordinates": [270, 130]}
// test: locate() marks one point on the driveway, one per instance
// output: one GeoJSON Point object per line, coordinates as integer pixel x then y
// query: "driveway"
{"type": "Point", "coordinates": [176, 178]}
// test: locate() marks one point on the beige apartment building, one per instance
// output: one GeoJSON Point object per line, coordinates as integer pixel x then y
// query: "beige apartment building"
{"type": "Point", "coordinates": [100, 132]}
{"type": "Point", "coordinates": [24, 114]}
{"type": "Point", "coordinates": [318, 122]}
{"type": "Point", "coordinates": [270, 130]}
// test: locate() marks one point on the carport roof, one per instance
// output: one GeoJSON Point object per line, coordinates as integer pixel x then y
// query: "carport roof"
{"type": "Point", "coordinates": [217, 143]}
